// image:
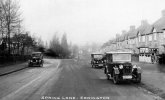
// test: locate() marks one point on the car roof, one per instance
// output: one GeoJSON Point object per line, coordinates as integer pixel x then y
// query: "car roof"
{"type": "Point", "coordinates": [96, 53]}
{"type": "Point", "coordinates": [35, 52]}
{"type": "Point", "coordinates": [118, 52]}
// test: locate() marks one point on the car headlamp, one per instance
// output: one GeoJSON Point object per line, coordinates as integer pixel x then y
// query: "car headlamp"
{"type": "Point", "coordinates": [121, 66]}
{"type": "Point", "coordinates": [135, 66]}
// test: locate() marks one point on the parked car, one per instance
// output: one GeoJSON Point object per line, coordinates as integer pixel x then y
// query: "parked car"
{"type": "Point", "coordinates": [97, 60]}
{"type": "Point", "coordinates": [118, 67]}
{"type": "Point", "coordinates": [36, 59]}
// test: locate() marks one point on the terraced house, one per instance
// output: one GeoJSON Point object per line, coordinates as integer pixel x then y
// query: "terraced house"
{"type": "Point", "coordinates": [146, 40]}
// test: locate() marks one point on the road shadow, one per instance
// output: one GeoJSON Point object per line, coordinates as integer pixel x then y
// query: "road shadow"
{"type": "Point", "coordinates": [161, 68]}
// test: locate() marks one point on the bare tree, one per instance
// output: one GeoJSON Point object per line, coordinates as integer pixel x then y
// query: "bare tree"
{"type": "Point", "coordinates": [75, 50]}
{"type": "Point", "coordinates": [2, 21]}
{"type": "Point", "coordinates": [12, 18]}
{"type": "Point", "coordinates": [64, 45]}
{"type": "Point", "coordinates": [55, 45]}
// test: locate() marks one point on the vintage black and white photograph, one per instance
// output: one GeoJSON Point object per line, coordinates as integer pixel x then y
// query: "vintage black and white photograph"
{"type": "Point", "coordinates": [82, 49]}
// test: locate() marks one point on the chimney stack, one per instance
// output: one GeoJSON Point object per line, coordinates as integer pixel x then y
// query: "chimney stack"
{"type": "Point", "coordinates": [117, 35]}
{"type": "Point", "coordinates": [124, 32]}
{"type": "Point", "coordinates": [132, 27]}
{"type": "Point", "coordinates": [144, 22]}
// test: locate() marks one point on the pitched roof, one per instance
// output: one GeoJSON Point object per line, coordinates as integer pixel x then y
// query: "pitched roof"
{"type": "Point", "coordinates": [159, 25]}
{"type": "Point", "coordinates": [119, 52]}
{"type": "Point", "coordinates": [132, 33]}
{"type": "Point", "coordinates": [144, 28]}
{"type": "Point", "coordinates": [117, 37]}
{"type": "Point", "coordinates": [113, 41]}
{"type": "Point", "coordinates": [126, 36]}
{"type": "Point", "coordinates": [123, 35]}
{"type": "Point", "coordinates": [149, 29]}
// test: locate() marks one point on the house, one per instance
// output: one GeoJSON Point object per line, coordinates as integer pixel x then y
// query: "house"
{"type": "Point", "coordinates": [159, 34]}
{"type": "Point", "coordinates": [132, 33]}
{"type": "Point", "coordinates": [146, 40]}
{"type": "Point", "coordinates": [117, 41]}
{"type": "Point", "coordinates": [123, 39]}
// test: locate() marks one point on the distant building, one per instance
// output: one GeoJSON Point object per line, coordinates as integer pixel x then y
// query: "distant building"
{"type": "Point", "coordinates": [146, 40]}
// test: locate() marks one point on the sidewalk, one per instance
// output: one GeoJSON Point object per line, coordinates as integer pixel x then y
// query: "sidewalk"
{"type": "Point", "coordinates": [12, 68]}
{"type": "Point", "coordinates": [153, 78]}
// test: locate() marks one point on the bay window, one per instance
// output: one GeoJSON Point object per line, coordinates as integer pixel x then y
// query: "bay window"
{"type": "Point", "coordinates": [143, 38]}
{"type": "Point", "coordinates": [155, 36]}
{"type": "Point", "coordinates": [150, 37]}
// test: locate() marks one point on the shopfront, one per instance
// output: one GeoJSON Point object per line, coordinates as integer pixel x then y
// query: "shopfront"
{"type": "Point", "coordinates": [144, 54]}
{"type": "Point", "coordinates": [148, 55]}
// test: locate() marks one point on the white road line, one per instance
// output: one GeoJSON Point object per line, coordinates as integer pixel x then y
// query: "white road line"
{"type": "Point", "coordinates": [13, 93]}
{"type": "Point", "coordinates": [26, 85]}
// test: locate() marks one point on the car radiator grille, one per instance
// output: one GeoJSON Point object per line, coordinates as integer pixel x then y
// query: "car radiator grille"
{"type": "Point", "coordinates": [127, 70]}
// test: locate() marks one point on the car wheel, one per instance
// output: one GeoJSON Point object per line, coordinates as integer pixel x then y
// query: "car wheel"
{"type": "Point", "coordinates": [107, 76]}
{"type": "Point", "coordinates": [138, 78]}
{"type": "Point", "coordinates": [106, 73]}
{"type": "Point", "coordinates": [41, 65]}
{"type": "Point", "coordinates": [105, 70]}
{"type": "Point", "coordinates": [115, 78]}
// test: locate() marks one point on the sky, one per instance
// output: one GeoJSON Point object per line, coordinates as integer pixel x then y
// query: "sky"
{"type": "Point", "coordinates": [87, 21]}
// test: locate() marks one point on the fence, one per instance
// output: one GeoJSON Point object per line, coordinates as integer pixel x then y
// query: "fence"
{"type": "Point", "coordinates": [13, 58]}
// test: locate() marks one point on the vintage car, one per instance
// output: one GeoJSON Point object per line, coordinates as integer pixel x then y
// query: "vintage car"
{"type": "Point", "coordinates": [97, 60]}
{"type": "Point", "coordinates": [36, 59]}
{"type": "Point", "coordinates": [118, 67]}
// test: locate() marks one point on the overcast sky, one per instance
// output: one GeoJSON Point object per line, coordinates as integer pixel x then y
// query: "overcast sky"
{"type": "Point", "coordinates": [87, 20]}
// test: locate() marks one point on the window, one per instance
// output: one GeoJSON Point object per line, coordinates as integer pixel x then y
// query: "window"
{"type": "Point", "coordinates": [133, 41]}
{"type": "Point", "coordinates": [143, 38]}
{"type": "Point", "coordinates": [154, 36]}
{"type": "Point", "coordinates": [150, 37]}
{"type": "Point", "coordinates": [139, 38]}
{"type": "Point", "coordinates": [136, 40]}
{"type": "Point", "coordinates": [129, 41]}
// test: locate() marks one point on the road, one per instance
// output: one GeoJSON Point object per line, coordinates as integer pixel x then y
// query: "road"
{"type": "Point", "coordinates": [66, 80]}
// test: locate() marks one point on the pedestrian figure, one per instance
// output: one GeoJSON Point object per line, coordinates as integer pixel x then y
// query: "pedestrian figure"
{"type": "Point", "coordinates": [153, 58]}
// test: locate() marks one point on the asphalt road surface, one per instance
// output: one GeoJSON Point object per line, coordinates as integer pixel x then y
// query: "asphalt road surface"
{"type": "Point", "coordinates": [66, 80]}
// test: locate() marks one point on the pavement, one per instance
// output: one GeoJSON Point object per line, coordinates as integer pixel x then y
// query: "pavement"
{"type": "Point", "coordinates": [153, 77]}
{"type": "Point", "coordinates": [4, 70]}
{"type": "Point", "coordinates": [66, 80]}
{"type": "Point", "coordinates": [8, 69]}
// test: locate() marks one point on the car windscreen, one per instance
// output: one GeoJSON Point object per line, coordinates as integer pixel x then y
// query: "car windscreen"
{"type": "Point", "coordinates": [36, 55]}
{"type": "Point", "coordinates": [98, 56]}
{"type": "Point", "coordinates": [121, 57]}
